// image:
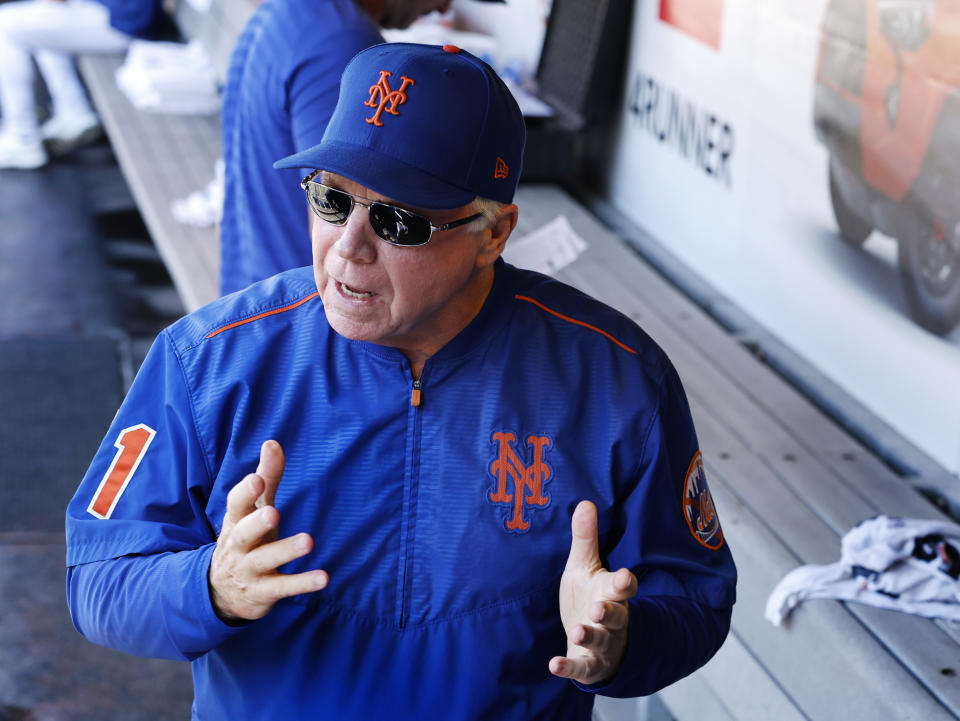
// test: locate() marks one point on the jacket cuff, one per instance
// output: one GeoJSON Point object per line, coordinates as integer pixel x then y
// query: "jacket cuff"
{"type": "Point", "coordinates": [189, 616]}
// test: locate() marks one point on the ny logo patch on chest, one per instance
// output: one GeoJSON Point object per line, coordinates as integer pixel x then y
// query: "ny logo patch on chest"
{"type": "Point", "coordinates": [520, 486]}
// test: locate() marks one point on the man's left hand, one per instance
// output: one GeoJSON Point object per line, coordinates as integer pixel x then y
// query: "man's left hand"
{"type": "Point", "coordinates": [593, 606]}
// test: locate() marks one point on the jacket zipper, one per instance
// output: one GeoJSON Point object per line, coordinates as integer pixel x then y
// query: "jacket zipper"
{"type": "Point", "coordinates": [412, 490]}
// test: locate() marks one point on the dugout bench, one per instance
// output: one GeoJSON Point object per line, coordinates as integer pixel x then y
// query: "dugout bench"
{"type": "Point", "coordinates": [787, 480]}
{"type": "Point", "coordinates": [167, 157]}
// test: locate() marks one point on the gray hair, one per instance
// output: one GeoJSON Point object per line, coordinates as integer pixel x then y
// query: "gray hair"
{"type": "Point", "coordinates": [488, 208]}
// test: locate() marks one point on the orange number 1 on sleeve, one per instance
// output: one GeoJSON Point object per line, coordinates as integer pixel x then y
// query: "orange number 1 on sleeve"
{"type": "Point", "coordinates": [132, 444]}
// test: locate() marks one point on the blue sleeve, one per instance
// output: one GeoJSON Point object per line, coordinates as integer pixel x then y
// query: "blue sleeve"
{"type": "Point", "coordinates": [314, 83]}
{"type": "Point", "coordinates": [149, 484]}
{"type": "Point", "coordinates": [141, 18]}
{"type": "Point", "coordinates": [670, 537]}
{"type": "Point", "coordinates": [156, 606]}
{"type": "Point", "coordinates": [139, 538]}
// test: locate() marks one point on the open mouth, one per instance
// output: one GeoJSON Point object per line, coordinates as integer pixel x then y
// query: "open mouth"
{"type": "Point", "coordinates": [353, 292]}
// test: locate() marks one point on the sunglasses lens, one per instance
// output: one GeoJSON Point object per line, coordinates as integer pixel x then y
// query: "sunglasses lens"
{"type": "Point", "coordinates": [329, 204]}
{"type": "Point", "coordinates": [399, 226]}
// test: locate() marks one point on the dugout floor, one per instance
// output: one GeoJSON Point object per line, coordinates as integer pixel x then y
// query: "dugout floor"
{"type": "Point", "coordinates": [84, 294]}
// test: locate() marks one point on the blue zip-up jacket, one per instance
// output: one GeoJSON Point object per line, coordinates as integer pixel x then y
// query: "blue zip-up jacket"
{"type": "Point", "coordinates": [444, 525]}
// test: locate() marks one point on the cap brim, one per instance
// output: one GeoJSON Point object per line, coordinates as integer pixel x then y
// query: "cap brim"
{"type": "Point", "coordinates": [381, 173]}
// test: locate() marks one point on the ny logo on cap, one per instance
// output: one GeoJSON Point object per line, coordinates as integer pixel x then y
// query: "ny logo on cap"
{"type": "Point", "coordinates": [383, 97]}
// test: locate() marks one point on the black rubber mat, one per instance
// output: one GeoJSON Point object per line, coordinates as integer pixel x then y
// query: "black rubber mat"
{"type": "Point", "coordinates": [57, 398]}
{"type": "Point", "coordinates": [49, 671]}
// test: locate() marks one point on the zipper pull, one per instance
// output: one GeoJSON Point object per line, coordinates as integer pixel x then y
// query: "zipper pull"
{"type": "Point", "coordinates": [415, 394]}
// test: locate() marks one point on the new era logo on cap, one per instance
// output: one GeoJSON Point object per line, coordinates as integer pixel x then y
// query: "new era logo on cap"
{"type": "Point", "coordinates": [426, 125]}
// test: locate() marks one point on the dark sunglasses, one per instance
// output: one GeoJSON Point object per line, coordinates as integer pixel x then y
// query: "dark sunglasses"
{"type": "Point", "coordinates": [397, 226]}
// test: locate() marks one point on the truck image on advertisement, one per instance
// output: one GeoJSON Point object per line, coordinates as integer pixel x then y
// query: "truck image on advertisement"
{"type": "Point", "coordinates": [887, 108]}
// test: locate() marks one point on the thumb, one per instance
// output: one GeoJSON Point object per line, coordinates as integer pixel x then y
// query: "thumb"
{"type": "Point", "coordinates": [270, 470]}
{"type": "Point", "coordinates": [584, 544]}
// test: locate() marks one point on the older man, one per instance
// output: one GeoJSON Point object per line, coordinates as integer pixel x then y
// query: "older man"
{"type": "Point", "coordinates": [281, 90]}
{"type": "Point", "coordinates": [450, 454]}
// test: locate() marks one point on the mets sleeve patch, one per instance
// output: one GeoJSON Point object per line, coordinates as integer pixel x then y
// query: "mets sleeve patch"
{"type": "Point", "coordinates": [698, 508]}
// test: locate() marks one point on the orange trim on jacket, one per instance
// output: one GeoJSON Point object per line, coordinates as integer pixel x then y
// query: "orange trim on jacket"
{"type": "Point", "coordinates": [262, 315]}
{"type": "Point", "coordinates": [575, 321]}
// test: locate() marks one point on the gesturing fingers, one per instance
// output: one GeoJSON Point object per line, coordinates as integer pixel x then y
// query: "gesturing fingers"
{"type": "Point", "coordinates": [241, 500]}
{"type": "Point", "coordinates": [593, 653]}
{"type": "Point", "coordinates": [618, 586]}
{"type": "Point", "coordinates": [593, 605]}
{"type": "Point", "coordinates": [283, 585]}
{"type": "Point", "coordinates": [256, 490]}
{"type": "Point", "coordinates": [579, 669]}
{"type": "Point", "coordinates": [244, 581]}
{"type": "Point", "coordinates": [264, 591]}
{"type": "Point", "coordinates": [270, 557]}
{"type": "Point", "coordinates": [613, 616]}
{"type": "Point", "coordinates": [270, 469]}
{"type": "Point", "coordinates": [584, 541]}
{"type": "Point", "coordinates": [251, 530]}
{"type": "Point", "coordinates": [243, 578]}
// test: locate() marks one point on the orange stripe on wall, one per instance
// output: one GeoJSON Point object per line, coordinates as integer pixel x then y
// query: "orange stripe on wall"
{"type": "Point", "coordinates": [703, 19]}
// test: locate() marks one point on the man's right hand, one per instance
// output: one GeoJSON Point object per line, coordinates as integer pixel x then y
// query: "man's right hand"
{"type": "Point", "coordinates": [243, 578]}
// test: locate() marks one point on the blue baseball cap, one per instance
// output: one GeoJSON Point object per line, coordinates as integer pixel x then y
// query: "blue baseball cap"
{"type": "Point", "coordinates": [427, 125]}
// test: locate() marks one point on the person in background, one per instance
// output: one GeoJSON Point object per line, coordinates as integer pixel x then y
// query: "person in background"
{"type": "Point", "coordinates": [409, 481]}
{"type": "Point", "coordinates": [51, 32]}
{"type": "Point", "coordinates": [280, 92]}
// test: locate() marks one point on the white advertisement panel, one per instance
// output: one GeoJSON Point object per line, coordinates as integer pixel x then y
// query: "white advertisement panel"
{"type": "Point", "coordinates": [804, 157]}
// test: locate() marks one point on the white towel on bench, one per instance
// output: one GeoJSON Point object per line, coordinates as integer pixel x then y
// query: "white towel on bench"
{"type": "Point", "coordinates": [166, 77]}
{"type": "Point", "coordinates": [902, 564]}
{"type": "Point", "coordinates": [202, 208]}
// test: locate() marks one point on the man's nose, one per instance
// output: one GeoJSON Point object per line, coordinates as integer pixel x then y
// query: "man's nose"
{"type": "Point", "coordinates": [357, 242]}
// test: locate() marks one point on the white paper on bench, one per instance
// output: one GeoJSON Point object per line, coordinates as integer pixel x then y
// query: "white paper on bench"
{"type": "Point", "coordinates": [547, 249]}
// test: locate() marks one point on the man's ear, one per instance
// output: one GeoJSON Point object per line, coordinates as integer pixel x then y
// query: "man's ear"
{"type": "Point", "coordinates": [498, 232]}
